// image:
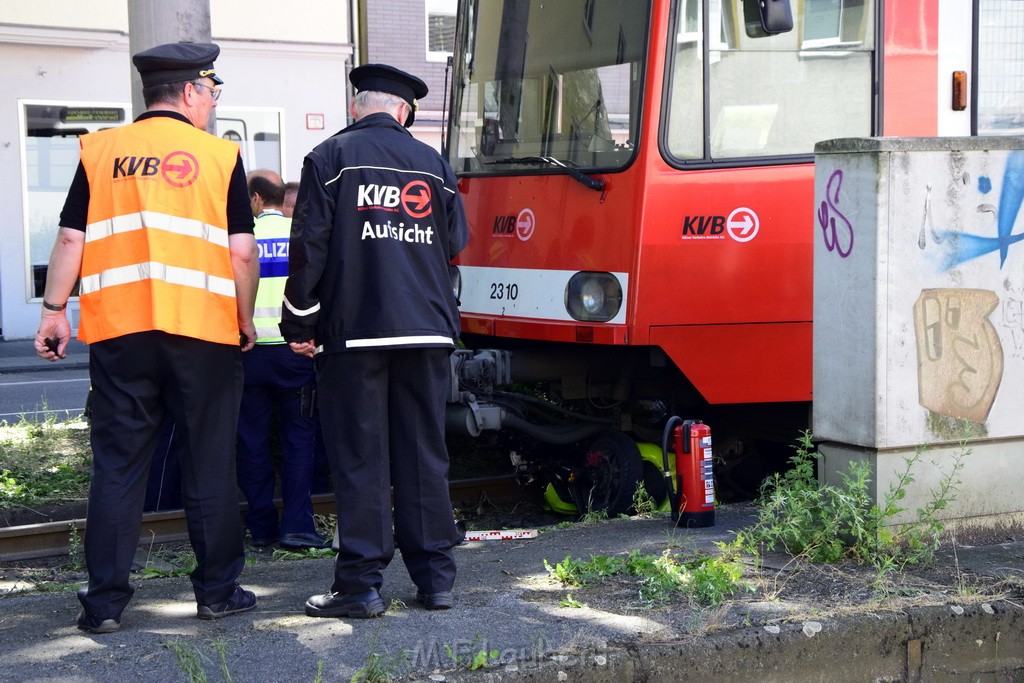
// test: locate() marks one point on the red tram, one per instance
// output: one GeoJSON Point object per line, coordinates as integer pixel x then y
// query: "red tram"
{"type": "Point", "coordinates": [638, 179]}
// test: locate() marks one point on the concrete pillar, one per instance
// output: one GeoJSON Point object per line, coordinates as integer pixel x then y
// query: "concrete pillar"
{"type": "Point", "coordinates": [919, 318]}
{"type": "Point", "coordinates": [155, 22]}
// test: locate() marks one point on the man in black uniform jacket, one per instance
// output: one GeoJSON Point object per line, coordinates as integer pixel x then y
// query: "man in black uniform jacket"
{"type": "Point", "coordinates": [377, 221]}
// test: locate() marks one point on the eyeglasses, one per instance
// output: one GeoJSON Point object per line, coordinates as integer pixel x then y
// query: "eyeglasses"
{"type": "Point", "coordinates": [214, 92]}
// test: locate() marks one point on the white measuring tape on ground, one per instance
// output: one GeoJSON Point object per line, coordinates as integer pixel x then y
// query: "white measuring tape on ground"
{"type": "Point", "coordinates": [503, 535]}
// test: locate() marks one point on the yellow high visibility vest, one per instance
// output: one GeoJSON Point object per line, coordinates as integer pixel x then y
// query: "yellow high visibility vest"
{"type": "Point", "coordinates": [156, 241]}
{"type": "Point", "coordinates": [272, 231]}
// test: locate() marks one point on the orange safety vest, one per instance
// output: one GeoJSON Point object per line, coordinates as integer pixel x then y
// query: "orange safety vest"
{"type": "Point", "coordinates": [156, 241]}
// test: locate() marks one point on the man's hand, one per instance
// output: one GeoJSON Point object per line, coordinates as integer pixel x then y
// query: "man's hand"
{"type": "Point", "coordinates": [53, 335]}
{"type": "Point", "coordinates": [305, 348]}
{"type": "Point", "coordinates": [247, 335]}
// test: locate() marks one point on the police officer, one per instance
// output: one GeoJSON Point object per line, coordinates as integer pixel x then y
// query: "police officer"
{"type": "Point", "coordinates": [276, 380]}
{"type": "Point", "coordinates": [377, 221]}
{"type": "Point", "coordinates": [158, 228]}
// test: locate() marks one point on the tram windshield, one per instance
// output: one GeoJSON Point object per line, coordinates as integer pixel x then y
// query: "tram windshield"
{"type": "Point", "coordinates": [547, 84]}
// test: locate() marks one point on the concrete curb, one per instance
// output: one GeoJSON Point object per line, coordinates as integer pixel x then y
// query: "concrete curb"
{"type": "Point", "coordinates": [934, 643]}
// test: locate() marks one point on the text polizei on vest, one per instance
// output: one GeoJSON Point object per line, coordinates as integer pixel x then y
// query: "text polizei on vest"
{"type": "Point", "coordinates": [400, 232]}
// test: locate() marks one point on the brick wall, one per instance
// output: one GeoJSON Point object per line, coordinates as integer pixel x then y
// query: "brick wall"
{"type": "Point", "coordinates": [397, 35]}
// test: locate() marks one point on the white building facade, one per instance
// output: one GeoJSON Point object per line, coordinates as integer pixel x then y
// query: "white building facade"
{"type": "Point", "coordinates": [67, 69]}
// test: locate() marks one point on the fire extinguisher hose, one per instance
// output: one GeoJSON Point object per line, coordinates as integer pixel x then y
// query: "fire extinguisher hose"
{"type": "Point", "coordinates": [673, 493]}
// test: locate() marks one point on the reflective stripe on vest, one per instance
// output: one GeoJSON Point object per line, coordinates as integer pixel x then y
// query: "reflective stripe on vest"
{"type": "Point", "coordinates": [272, 233]}
{"type": "Point", "coordinates": [157, 252]}
{"type": "Point", "coordinates": [157, 271]}
{"type": "Point", "coordinates": [156, 221]}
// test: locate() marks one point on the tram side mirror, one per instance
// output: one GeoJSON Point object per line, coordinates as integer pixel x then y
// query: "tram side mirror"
{"type": "Point", "coordinates": [767, 17]}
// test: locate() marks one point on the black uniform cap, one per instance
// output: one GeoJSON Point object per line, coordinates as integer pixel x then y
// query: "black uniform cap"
{"type": "Point", "coordinates": [384, 78]}
{"type": "Point", "coordinates": [177, 62]}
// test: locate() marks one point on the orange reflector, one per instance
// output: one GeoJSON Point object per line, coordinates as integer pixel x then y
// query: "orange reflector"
{"type": "Point", "coordinates": [959, 90]}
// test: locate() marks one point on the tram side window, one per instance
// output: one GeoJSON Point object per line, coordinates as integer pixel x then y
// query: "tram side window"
{"type": "Point", "coordinates": [51, 133]}
{"type": "Point", "coordinates": [257, 132]}
{"type": "Point", "coordinates": [51, 157]}
{"type": "Point", "coordinates": [768, 95]}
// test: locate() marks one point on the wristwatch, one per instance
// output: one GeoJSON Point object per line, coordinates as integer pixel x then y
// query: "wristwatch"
{"type": "Point", "coordinates": [54, 307]}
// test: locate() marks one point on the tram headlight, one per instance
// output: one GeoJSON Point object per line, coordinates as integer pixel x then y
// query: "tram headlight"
{"type": "Point", "coordinates": [456, 278]}
{"type": "Point", "coordinates": [593, 297]}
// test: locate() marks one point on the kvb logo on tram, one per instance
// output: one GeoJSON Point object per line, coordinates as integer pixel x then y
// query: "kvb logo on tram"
{"type": "Point", "coordinates": [521, 225]}
{"type": "Point", "coordinates": [414, 197]}
{"type": "Point", "coordinates": [741, 225]}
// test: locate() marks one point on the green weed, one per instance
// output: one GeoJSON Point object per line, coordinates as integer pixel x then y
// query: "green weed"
{"type": "Point", "coordinates": [190, 660]}
{"type": "Point", "coordinates": [378, 667]}
{"type": "Point", "coordinates": [281, 554]}
{"type": "Point", "coordinates": [183, 564]}
{"type": "Point", "coordinates": [476, 658]}
{"type": "Point", "coordinates": [829, 523]}
{"type": "Point", "coordinates": [76, 555]}
{"type": "Point", "coordinates": [643, 502]}
{"type": "Point", "coordinates": [593, 517]}
{"type": "Point", "coordinates": [569, 601]}
{"type": "Point", "coordinates": [707, 580]}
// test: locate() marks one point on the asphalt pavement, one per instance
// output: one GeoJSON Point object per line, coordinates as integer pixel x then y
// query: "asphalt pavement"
{"type": "Point", "coordinates": [512, 615]}
{"type": "Point", "coordinates": [19, 355]}
{"type": "Point", "coordinates": [511, 621]}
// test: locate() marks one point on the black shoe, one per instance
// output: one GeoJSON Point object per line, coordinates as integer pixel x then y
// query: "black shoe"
{"type": "Point", "coordinates": [432, 601]}
{"type": "Point", "coordinates": [302, 541]}
{"type": "Point", "coordinates": [98, 625]}
{"type": "Point", "coordinates": [355, 605]}
{"type": "Point", "coordinates": [240, 601]}
{"type": "Point", "coordinates": [264, 542]}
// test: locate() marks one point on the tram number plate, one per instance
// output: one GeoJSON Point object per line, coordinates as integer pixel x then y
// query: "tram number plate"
{"type": "Point", "coordinates": [504, 291]}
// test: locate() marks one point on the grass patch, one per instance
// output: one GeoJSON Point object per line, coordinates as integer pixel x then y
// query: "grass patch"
{"type": "Point", "coordinates": [44, 462]}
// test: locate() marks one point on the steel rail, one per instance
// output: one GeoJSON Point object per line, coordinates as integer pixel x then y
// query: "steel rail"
{"type": "Point", "coordinates": [51, 539]}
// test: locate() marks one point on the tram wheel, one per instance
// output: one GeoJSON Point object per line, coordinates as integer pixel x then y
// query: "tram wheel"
{"type": "Point", "coordinates": [611, 474]}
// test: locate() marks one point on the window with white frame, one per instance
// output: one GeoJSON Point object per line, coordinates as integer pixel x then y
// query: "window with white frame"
{"type": "Point", "coordinates": [440, 29]}
{"type": "Point", "coordinates": [50, 136]}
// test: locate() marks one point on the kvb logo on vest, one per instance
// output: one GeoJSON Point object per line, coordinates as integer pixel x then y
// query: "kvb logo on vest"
{"type": "Point", "coordinates": [414, 198]}
{"type": "Point", "coordinates": [178, 169]}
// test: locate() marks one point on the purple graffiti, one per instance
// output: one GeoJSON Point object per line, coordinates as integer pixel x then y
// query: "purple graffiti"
{"type": "Point", "coordinates": [836, 229]}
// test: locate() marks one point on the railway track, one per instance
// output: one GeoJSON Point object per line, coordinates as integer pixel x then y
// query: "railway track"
{"type": "Point", "coordinates": [50, 539]}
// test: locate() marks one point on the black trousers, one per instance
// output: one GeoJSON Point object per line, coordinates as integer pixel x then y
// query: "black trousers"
{"type": "Point", "coordinates": [383, 423]}
{"type": "Point", "coordinates": [137, 380]}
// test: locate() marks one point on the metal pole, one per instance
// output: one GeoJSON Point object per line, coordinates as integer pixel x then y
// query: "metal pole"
{"type": "Point", "coordinates": [155, 22]}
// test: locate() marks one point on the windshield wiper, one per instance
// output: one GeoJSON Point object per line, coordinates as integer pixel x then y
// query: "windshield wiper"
{"type": "Point", "coordinates": [574, 173]}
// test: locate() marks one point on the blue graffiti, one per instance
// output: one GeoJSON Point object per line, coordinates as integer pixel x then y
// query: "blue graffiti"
{"type": "Point", "coordinates": [984, 184]}
{"type": "Point", "coordinates": [963, 246]}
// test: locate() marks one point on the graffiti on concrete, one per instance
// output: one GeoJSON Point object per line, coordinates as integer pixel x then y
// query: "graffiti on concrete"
{"type": "Point", "coordinates": [960, 247]}
{"type": "Point", "coordinates": [1012, 310]}
{"type": "Point", "coordinates": [928, 222]}
{"type": "Point", "coordinates": [836, 230]}
{"type": "Point", "coordinates": [959, 355]}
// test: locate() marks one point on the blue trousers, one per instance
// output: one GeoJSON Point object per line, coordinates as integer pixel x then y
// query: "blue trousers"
{"type": "Point", "coordinates": [275, 378]}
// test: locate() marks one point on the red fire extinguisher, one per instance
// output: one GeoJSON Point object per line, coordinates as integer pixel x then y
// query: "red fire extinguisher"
{"type": "Point", "coordinates": [692, 494]}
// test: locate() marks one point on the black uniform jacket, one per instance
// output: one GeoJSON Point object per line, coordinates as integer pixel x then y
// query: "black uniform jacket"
{"type": "Point", "coordinates": [377, 220]}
